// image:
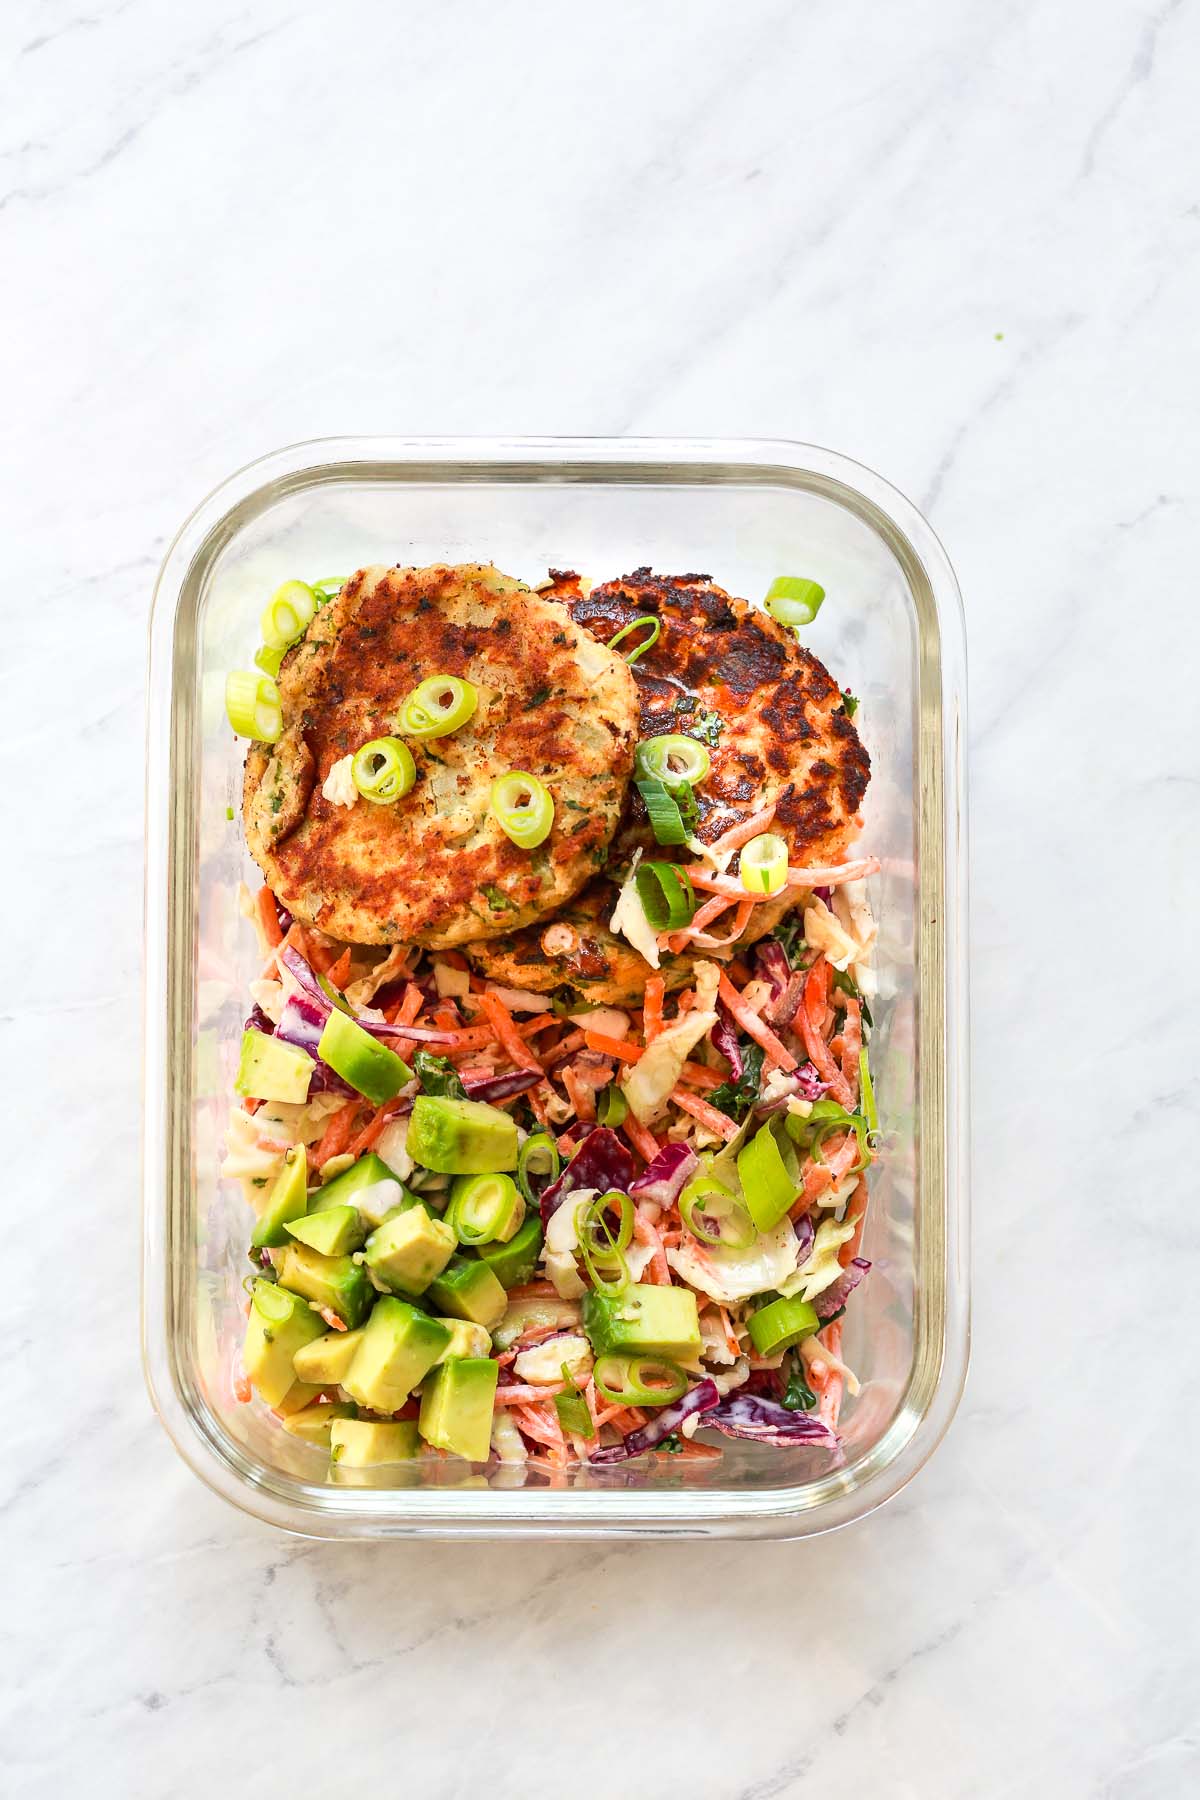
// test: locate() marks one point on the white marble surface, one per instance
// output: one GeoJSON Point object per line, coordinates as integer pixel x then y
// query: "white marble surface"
{"type": "Point", "coordinates": [958, 242]}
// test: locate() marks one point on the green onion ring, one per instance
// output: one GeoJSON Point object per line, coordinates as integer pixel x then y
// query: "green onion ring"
{"type": "Point", "coordinates": [383, 770]}
{"type": "Point", "coordinates": [523, 808]}
{"type": "Point", "coordinates": [537, 1156]}
{"type": "Point", "coordinates": [288, 614]}
{"type": "Point", "coordinates": [793, 600]}
{"type": "Point", "coordinates": [483, 1208]}
{"type": "Point", "coordinates": [673, 758]}
{"type": "Point", "coordinates": [252, 705]}
{"type": "Point", "coordinates": [639, 1380]}
{"type": "Point", "coordinates": [666, 820]}
{"type": "Point", "coordinates": [666, 893]}
{"type": "Point", "coordinates": [763, 865]}
{"type": "Point", "coordinates": [437, 706]}
{"type": "Point", "coordinates": [645, 619]}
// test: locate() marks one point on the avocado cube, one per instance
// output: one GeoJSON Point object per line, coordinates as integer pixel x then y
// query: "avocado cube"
{"type": "Point", "coordinates": [313, 1423]}
{"type": "Point", "coordinates": [400, 1344]}
{"type": "Point", "coordinates": [280, 1324]}
{"type": "Point", "coordinates": [327, 1358]}
{"type": "Point", "coordinates": [337, 1282]}
{"type": "Point", "coordinates": [466, 1339]}
{"type": "Point", "coordinates": [467, 1289]}
{"type": "Point", "coordinates": [365, 1443]}
{"type": "Point", "coordinates": [408, 1250]}
{"type": "Point", "coordinates": [298, 1396]}
{"type": "Point", "coordinates": [287, 1202]}
{"type": "Point", "coordinates": [333, 1232]}
{"type": "Point", "coordinates": [456, 1406]}
{"type": "Point", "coordinates": [369, 1186]}
{"type": "Point", "coordinates": [461, 1137]}
{"type": "Point", "coordinates": [514, 1262]}
{"type": "Point", "coordinates": [269, 1069]}
{"type": "Point", "coordinates": [369, 1066]}
{"type": "Point", "coordinates": [645, 1321]}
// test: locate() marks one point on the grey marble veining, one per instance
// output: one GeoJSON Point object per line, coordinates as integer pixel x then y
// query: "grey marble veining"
{"type": "Point", "coordinates": [960, 243]}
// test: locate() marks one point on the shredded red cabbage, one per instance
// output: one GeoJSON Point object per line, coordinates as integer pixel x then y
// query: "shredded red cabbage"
{"type": "Point", "coordinates": [602, 1162]}
{"type": "Point", "coordinates": [834, 1298]}
{"type": "Point", "coordinates": [781, 1012]}
{"type": "Point", "coordinates": [699, 1399]}
{"type": "Point", "coordinates": [301, 1023]}
{"type": "Point", "coordinates": [771, 964]}
{"type": "Point", "coordinates": [498, 1087]}
{"type": "Point", "coordinates": [665, 1178]}
{"type": "Point", "coordinates": [805, 1232]}
{"type": "Point", "coordinates": [745, 1415]}
{"type": "Point", "coordinates": [724, 1038]}
{"type": "Point", "coordinates": [825, 894]}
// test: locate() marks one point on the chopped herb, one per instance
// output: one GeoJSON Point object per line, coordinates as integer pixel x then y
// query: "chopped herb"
{"type": "Point", "coordinates": [229, 812]}
{"type": "Point", "coordinates": [790, 936]}
{"type": "Point", "coordinates": [845, 982]}
{"type": "Point", "coordinates": [497, 899]}
{"type": "Point", "coordinates": [797, 1395]}
{"type": "Point", "coordinates": [542, 695]}
{"type": "Point", "coordinates": [737, 1097]}
{"type": "Point", "coordinates": [849, 703]}
{"type": "Point", "coordinates": [704, 726]}
{"type": "Point", "coordinates": [672, 1444]}
{"type": "Point", "coordinates": [437, 1075]}
{"type": "Point", "coordinates": [276, 801]}
{"type": "Point", "coordinates": [259, 1181]}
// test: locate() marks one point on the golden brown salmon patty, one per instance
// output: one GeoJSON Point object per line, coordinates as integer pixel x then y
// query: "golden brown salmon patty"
{"type": "Point", "coordinates": [435, 868]}
{"type": "Point", "coordinates": [774, 722]}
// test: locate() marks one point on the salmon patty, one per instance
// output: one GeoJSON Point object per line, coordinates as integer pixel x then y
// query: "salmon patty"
{"type": "Point", "coordinates": [435, 868]}
{"type": "Point", "coordinates": [774, 722]}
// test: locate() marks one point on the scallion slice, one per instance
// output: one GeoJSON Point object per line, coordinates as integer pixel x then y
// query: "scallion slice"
{"type": "Point", "coordinates": [538, 1164]}
{"type": "Point", "coordinates": [647, 643]}
{"type": "Point", "coordinates": [867, 1089]}
{"type": "Point", "coordinates": [780, 1324]}
{"type": "Point", "coordinates": [572, 1409]}
{"type": "Point", "coordinates": [611, 1106]}
{"type": "Point", "coordinates": [715, 1216]}
{"type": "Point", "coordinates": [326, 589]}
{"type": "Point", "coordinates": [383, 770]}
{"type": "Point", "coordinates": [666, 893]}
{"type": "Point", "coordinates": [673, 759]}
{"type": "Point", "coordinates": [793, 600]}
{"type": "Point", "coordinates": [602, 1248]}
{"type": "Point", "coordinates": [485, 1209]}
{"type": "Point", "coordinates": [523, 808]}
{"type": "Point", "coordinates": [639, 1380]}
{"type": "Point", "coordinates": [288, 614]}
{"type": "Point", "coordinates": [437, 706]}
{"type": "Point", "coordinates": [268, 658]}
{"type": "Point", "coordinates": [252, 705]}
{"type": "Point", "coordinates": [666, 820]}
{"type": "Point", "coordinates": [769, 1176]}
{"type": "Point", "coordinates": [764, 864]}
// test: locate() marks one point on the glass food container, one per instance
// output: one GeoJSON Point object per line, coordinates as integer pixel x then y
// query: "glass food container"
{"type": "Point", "coordinates": [891, 629]}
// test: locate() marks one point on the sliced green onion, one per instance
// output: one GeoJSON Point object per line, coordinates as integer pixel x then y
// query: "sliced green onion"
{"type": "Point", "coordinates": [252, 705]}
{"type": "Point", "coordinates": [268, 659]}
{"type": "Point", "coordinates": [764, 864]}
{"type": "Point", "coordinates": [437, 706]}
{"type": "Point", "coordinates": [288, 614]}
{"type": "Point", "coordinates": [602, 1249]}
{"type": "Point", "coordinates": [673, 759]}
{"type": "Point", "coordinates": [797, 1395]}
{"type": "Point", "coordinates": [537, 1159]}
{"type": "Point", "coordinates": [523, 808]}
{"type": "Point", "coordinates": [383, 770]}
{"type": "Point", "coordinates": [826, 1120]}
{"type": "Point", "coordinates": [769, 1176]}
{"type": "Point", "coordinates": [485, 1209]}
{"type": "Point", "coordinates": [867, 1089]}
{"type": "Point", "coordinates": [326, 590]}
{"type": "Point", "coordinates": [849, 703]}
{"type": "Point", "coordinates": [572, 1409]}
{"type": "Point", "coordinates": [666, 821]}
{"type": "Point", "coordinates": [633, 625]}
{"type": "Point", "coordinates": [639, 1380]}
{"type": "Point", "coordinates": [666, 893]}
{"type": "Point", "coordinates": [715, 1216]}
{"type": "Point", "coordinates": [780, 1324]}
{"type": "Point", "coordinates": [612, 1106]}
{"type": "Point", "coordinates": [794, 601]}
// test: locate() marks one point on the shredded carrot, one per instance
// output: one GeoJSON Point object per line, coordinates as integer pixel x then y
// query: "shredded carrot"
{"type": "Point", "coordinates": [581, 1097]}
{"type": "Point", "coordinates": [268, 917]}
{"type": "Point", "coordinates": [737, 971]}
{"type": "Point", "coordinates": [331, 1318]}
{"type": "Point", "coordinates": [830, 1403]}
{"type": "Point", "coordinates": [737, 835]}
{"type": "Point", "coordinates": [538, 1097]}
{"type": "Point", "coordinates": [454, 959]}
{"type": "Point", "coordinates": [712, 909]}
{"type": "Point", "coordinates": [697, 1075]}
{"type": "Point", "coordinates": [658, 1270]}
{"type": "Point", "coordinates": [754, 1027]}
{"type": "Point", "coordinates": [690, 1452]}
{"type": "Point", "coordinates": [527, 1396]}
{"type": "Point", "coordinates": [410, 1006]}
{"type": "Point", "coordinates": [615, 1047]}
{"type": "Point", "coordinates": [812, 1010]}
{"type": "Point", "coordinates": [320, 956]}
{"type": "Point", "coordinates": [731, 1342]}
{"type": "Point", "coordinates": [241, 1387]}
{"type": "Point", "coordinates": [366, 1140]}
{"type": "Point", "coordinates": [339, 972]}
{"type": "Point", "coordinates": [707, 1115]}
{"type": "Point", "coordinates": [541, 1424]}
{"type": "Point", "coordinates": [857, 1210]}
{"type": "Point", "coordinates": [642, 1139]}
{"type": "Point", "coordinates": [505, 1032]}
{"type": "Point", "coordinates": [652, 1007]}
{"type": "Point", "coordinates": [851, 1043]}
{"type": "Point", "coordinates": [337, 1134]}
{"type": "Point", "coordinates": [534, 1290]}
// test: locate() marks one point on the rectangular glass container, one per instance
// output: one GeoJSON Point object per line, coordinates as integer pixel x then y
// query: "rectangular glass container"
{"type": "Point", "coordinates": [891, 630]}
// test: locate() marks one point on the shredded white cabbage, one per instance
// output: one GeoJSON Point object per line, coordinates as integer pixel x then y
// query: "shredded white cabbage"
{"type": "Point", "coordinates": [737, 1274]}
{"type": "Point", "coordinates": [822, 1268]}
{"type": "Point", "coordinates": [648, 1083]}
{"type": "Point", "coordinates": [361, 992]}
{"type": "Point", "coordinates": [391, 1147]}
{"type": "Point", "coordinates": [542, 1364]}
{"type": "Point", "coordinates": [561, 1242]}
{"type": "Point", "coordinates": [629, 917]}
{"type": "Point", "coordinates": [269, 996]}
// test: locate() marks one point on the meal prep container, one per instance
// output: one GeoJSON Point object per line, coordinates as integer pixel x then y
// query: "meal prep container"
{"type": "Point", "coordinates": [891, 629]}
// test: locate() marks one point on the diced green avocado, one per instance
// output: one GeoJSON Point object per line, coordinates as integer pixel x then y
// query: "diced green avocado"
{"type": "Point", "coordinates": [334, 1231]}
{"type": "Point", "coordinates": [644, 1320]}
{"type": "Point", "coordinates": [269, 1069]}
{"type": "Point", "coordinates": [298, 1396]}
{"type": "Point", "coordinates": [514, 1262]}
{"type": "Point", "coordinates": [456, 1406]}
{"type": "Point", "coordinates": [355, 1184]}
{"type": "Point", "coordinates": [314, 1422]}
{"type": "Point", "coordinates": [407, 1251]}
{"type": "Point", "coordinates": [337, 1282]}
{"type": "Point", "coordinates": [280, 1324]}
{"type": "Point", "coordinates": [466, 1339]}
{"type": "Point", "coordinates": [369, 1066]}
{"type": "Point", "coordinates": [467, 1289]}
{"type": "Point", "coordinates": [365, 1443]}
{"type": "Point", "coordinates": [287, 1202]}
{"type": "Point", "coordinates": [400, 1344]}
{"type": "Point", "coordinates": [461, 1137]}
{"type": "Point", "coordinates": [327, 1358]}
